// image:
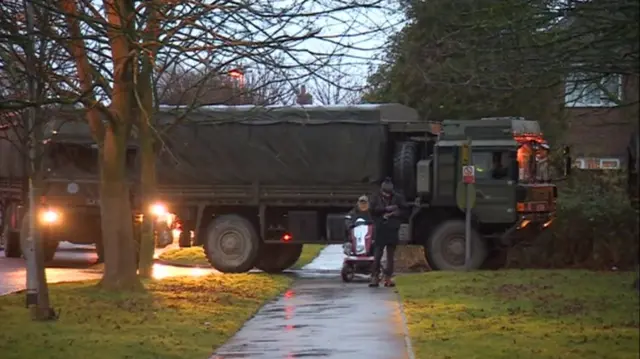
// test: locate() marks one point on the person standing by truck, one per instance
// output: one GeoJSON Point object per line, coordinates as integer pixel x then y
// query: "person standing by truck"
{"type": "Point", "coordinates": [386, 208]}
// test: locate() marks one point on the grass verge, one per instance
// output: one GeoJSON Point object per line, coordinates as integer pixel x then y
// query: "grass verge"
{"type": "Point", "coordinates": [196, 256]}
{"type": "Point", "coordinates": [174, 319]}
{"type": "Point", "coordinates": [185, 256]}
{"type": "Point", "coordinates": [309, 253]}
{"type": "Point", "coordinates": [522, 314]}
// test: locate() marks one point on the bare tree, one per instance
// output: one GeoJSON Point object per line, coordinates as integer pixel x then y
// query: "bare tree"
{"type": "Point", "coordinates": [26, 61]}
{"type": "Point", "coordinates": [237, 87]}
{"type": "Point", "coordinates": [120, 49]}
{"type": "Point", "coordinates": [336, 85]}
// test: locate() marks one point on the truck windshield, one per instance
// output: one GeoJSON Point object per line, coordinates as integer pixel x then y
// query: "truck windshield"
{"type": "Point", "coordinates": [74, 159]}
{"type": "Point", "coordinates": [66, 158]}
{"type": "Point", "coordinates": [495, 164]}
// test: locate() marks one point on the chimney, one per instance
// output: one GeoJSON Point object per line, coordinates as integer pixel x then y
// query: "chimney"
{"type": "Point", "coordinates": [303, 97]}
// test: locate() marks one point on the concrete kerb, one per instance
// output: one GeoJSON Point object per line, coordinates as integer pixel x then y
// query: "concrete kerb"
{"type": "Point", "coordinates": [405, 327]}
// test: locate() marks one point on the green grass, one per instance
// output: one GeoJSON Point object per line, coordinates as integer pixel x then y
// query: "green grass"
{"type": "Point", "coordinates": [522, 314]}
{"type": "Point", "coordinates": [185, 256]}
{"type": "Point", "coordinates": [196, 256]}
{"type": "Point", "coordinates": [175, 318]}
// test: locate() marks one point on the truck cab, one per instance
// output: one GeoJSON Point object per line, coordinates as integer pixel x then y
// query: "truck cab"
{"type": "Point", "coordinates": [69, 190]}
{"type": "Point", "coordinates": [514, 197]}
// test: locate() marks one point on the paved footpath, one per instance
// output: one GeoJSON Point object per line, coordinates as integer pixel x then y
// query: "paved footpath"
{"type": "Point", "coordinates": [321, 317]}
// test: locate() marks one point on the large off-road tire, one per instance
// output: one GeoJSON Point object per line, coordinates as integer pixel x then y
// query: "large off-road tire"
{"type": "Point", "coordinates": [12, 244]}
{"type": "Point", "coordinates": [11, 238]}
{"type": "Point", "coordinates": [445, 247]}
{"type": "Point", "coordinates": [162, 238]}
{"type": "Point", "coordinates": [137, 244]}
{"type": "Point", "coordinates": [49, 248]}
{"type": "Point", "coordinates": [404, 168]}
{"type": "Point", "coordinates": [100, 251]}
{"type": "Point", "coordinates": [184, 240]}
{"type": "Point", "coordinates": [274, 258]}
{"type": "Point", "coordinates": [49, 245]}
{"type": "Point", "coordinates": [231, 244]}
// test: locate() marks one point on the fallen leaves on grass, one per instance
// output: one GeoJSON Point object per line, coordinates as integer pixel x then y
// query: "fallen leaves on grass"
{"type": "Point", "coordinates": [522, 314]}
{"type": "Point", "coordinates": [175, 318]}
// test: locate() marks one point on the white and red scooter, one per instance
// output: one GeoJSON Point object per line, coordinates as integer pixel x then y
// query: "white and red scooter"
{"type": "Point", "coordinates": [358, 249]}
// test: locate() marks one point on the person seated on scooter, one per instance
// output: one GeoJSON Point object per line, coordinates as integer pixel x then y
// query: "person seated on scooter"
{"type": "Point", "coordinates": [361, 210]}
{"type": "Point", "coordinates": [386, 208]}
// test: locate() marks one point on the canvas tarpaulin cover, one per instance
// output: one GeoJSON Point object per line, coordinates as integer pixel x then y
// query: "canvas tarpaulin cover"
{"type": "Point", "coordinates": [285, 147]}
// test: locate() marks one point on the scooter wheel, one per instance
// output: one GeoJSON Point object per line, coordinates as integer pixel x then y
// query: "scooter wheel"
{"type": "Point", "coordinates": [347, 274]}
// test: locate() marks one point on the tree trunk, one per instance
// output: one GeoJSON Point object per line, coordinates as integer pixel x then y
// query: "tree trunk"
{"type": "Point", "coordinates": [120, 272]}
{"type": "Point", "coordinates": [146, 137]}
{"type": "Point", "coordinates": [147, 179]}
{"type": "Point", "coordinates": [117, 225]}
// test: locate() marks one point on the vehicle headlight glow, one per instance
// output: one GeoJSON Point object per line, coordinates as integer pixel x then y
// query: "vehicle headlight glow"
{"type": "Point", "coordinates": [158, 210]}
{"type": "Point", "coordinates": [50, 217]}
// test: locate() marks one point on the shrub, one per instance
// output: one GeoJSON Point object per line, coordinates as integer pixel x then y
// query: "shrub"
{"type": "Point", "coordinates": [596, 226]}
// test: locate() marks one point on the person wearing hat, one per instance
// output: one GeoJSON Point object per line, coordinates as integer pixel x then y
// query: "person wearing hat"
{"type": "Point", "coordinates": [542, 160]}
{"type": "Point", "coordinates": [386, 208]}
{"type": "Point", "coordinates": [360, 210]}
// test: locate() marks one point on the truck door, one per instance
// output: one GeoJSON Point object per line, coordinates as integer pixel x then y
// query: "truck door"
{"type": "Point", "coordinates": [495, 184]}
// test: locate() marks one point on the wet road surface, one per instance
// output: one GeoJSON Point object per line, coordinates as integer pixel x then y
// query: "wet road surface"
{"type": "Point", "coordinates": [321, 317]}
{"type": "Point", "coordinates": [75, 263]}
{"type": "Point", "coordinates": [70, 263]}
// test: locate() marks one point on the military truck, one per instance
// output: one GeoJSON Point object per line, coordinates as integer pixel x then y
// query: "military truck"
{"type": "Point", "coordinates": [70, 200]}
{"type": "Point", "coordinates": [255, 185]}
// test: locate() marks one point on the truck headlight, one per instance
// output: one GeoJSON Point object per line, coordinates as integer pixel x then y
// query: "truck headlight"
{"type": "Point", "coordinates": [158, 209]}
{"type": "Point", "coordinates": [49, 217]}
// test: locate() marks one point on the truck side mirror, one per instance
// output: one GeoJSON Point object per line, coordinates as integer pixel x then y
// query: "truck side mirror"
{"type": "Point", "coordinates": [567, 160]}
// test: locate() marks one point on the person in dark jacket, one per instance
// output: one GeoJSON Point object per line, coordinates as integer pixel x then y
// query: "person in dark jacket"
{"type": "Point", "coordinates": [386, 209]}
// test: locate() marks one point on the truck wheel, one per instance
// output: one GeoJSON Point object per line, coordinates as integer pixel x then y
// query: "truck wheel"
{"type": "Point", "coordinates": [12, 244]}
{"type": "Point", "coordinates": [231, 244]}
{"type": "Point", "coordinates": [404, 167]}
{"type": "Point", "coordinates": [274, 258]}
{"type": "Point", "coordinates": [49, 245]}
{"type": "Point", "coordinates": [49, 248]}
{"type": "Point", "coordinates": [100, 251]}
{"type": "Point", "coordinates": [445, 248]}
{"type": "Point", "coordinates": [11, 238]}
{"type": "Point", "coordinates": [184, 240]}
{"type": "Point", "coordinates": [137, 244]}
